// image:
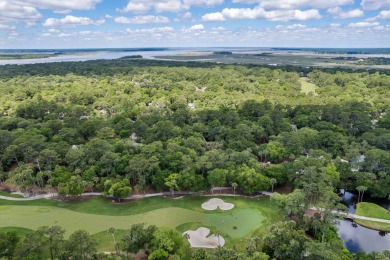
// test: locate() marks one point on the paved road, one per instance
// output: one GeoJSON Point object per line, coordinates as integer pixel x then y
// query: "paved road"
{"type": "Point", "coordinates": [45, 196]}
{"type": "Point", "coordinates": [354, 216]}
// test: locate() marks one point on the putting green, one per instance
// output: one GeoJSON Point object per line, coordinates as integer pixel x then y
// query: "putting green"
{"type": "Point", "coordinates": [32, 217]}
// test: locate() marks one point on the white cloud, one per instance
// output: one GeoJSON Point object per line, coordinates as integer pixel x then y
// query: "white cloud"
{"type": "Point", "coordinates": [335, 25]}
{"type": "Point", "coordinates": [142, 6]}
{"type": "Point", "coordinates": [205, 3]}
{"type": "Point", "coordinates": [218, 28]}
{"type": "Point", "coordinates": [375, 4]}
{"type": "Point", "coordinates": [338, 13]}
{"type": "Point", "coordinates": [363, 24]}
{"type": "Point", "coordinates": [384, 15]}
{"type": "Point", "coordinates": [260, 13]}
{"type": "Point", "coordinates": [145, 19]}
{"type": "Point", "coordinates": [296, 26]}
{"type": "Point", "coordinates": [71, 21]}
{"type": "Point", "coordinates": [197, 27]}
{"type": "Point", "coordinates": [7, 27]}
{"type": "Point", "coordinates": [14, 12]}
{"type": "Point", "coordinates": [64, 11]}
{"type": "Point", "coordinates": [61, 4]}
{"type": "Point", "coordinates": [295, 4]}
{"type": "Point", "coordinates": [186, 17]}
{"type": "Point", "coordinates": [213, 17]}
{"type": "Point", "coordinates": [151, 30]}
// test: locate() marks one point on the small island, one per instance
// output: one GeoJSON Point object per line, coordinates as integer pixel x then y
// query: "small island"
{"type": "Point", "coordinates": [223, 53]}
{"type": "Point", "coordinates": [131, 57]}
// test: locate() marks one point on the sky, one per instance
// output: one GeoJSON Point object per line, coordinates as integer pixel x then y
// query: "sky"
{"type": "Point", "coordinates": [194, 23]}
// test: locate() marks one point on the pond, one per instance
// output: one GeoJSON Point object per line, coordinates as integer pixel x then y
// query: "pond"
{"type": "Point", "coordinates": [357, 238]}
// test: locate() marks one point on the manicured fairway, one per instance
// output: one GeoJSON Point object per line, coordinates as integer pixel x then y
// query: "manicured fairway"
{"type": "Point", "coordinates": [23, 215]}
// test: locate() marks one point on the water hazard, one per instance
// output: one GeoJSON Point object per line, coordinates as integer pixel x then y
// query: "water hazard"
{"type": "Point", "coordinates": [357, 238]}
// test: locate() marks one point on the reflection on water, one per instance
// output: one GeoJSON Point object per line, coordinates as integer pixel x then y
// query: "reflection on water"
{"type": "Point", "coordinates": [349, 200]}
{"type": "Point", "coordinates": [357, 238]}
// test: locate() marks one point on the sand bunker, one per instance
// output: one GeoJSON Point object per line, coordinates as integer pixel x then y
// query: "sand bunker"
{"type": "Point", "coordinates": [199, 239]}
{"type": "Point", "coordinates": [213, 204]}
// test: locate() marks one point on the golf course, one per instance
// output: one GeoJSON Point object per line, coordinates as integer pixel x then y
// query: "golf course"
{"type": "Point", "coordinates": [97, 215]}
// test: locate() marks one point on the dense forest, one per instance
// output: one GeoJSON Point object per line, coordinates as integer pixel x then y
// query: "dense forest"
{"type": "Point", "coordinates": [127, 126]}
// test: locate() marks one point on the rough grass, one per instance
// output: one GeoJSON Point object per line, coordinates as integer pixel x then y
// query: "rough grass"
{"type": "Point", "coordinates": [308, 87]}
{"type": "Point", "coordinates": [7, 194]}
{"type": "Point", "coordinates": [374, 225]}
{"type": "Point", "coordinates": [372, 210]}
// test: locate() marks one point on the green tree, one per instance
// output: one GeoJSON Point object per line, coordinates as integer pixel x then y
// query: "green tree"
{"type": "Point", "coordinates": [285, 242]}
{"type": "Point", "coordinates": [117, 189]}
{"type": "Point", "coordinates": [73, 187]}
{"type": "Point", "coordinates": [234, 186]}
{"type": "Point", "coordinates": [137, 238]}
{"type": "Point", "coordinates": [112, 232]}
{"type": "Point", "coordinates": [217, 177]}
{"type": "Point", "coordinates": [276, 150]}
{"type": "Point", "coordinates": [33, 245]}
{"type": "Point", "coordinates": [171, 182]}
{"type": "Point", "coordinates": [361, 189]}
{"type": "Point", "coordinates": [249, 180]}
{"type": "Point", "coordinates": [55, 236]}
{"type": "Point", "coordinates": [80, 246]}
{"type": "Point", "coordinates": [273, 181]}
{"type": "Point", "coordinates": [8, 244]}
{"type": "Point", "coordinates": [168, 241]}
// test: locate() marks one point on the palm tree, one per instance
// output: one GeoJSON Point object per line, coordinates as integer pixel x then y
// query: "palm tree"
{"type": "Point", "coordinates": [273, 182]}
{"type": "Point", "coordinates": [361, 189]}
{"type": "Point", "coordinates": [186, 236]}
{"type": "Point", "coordinates": [112, 231]}
{"type": "Point", "coordinates": [218, 235]}
{"type": "Point", "coordinates": [234, 186]}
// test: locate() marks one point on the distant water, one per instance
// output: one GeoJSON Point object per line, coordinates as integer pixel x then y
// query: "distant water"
{"type": "Point", "coordinates": [66, 55]}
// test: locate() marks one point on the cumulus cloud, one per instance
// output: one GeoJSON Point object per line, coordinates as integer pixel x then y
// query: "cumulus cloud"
{"type": "Point", "coordinates": [151, 30]}
{"type": "Point", "coordinates": [142, 6]}
{"type": "Point", "coordinates": [143, 19]}
{"type": "Point", "coordinates": [197, 27]}
{"type": "Point", "coordinates": [260, 13]}
{"type": "Point", "coordinates": [295, 4]}
{"type": "Point", "coordinates": [375, 4]}
{"type": "Point", "coordinates": [71, 21]}
{"type": "Point", "coordinates": [335, 25]}
{"type": "Point", "coordinates": [14, 12]}
{"type": "Point", "coordinates": [384, 15]}
{"type": "Point", "coordinates": [205, 3]}
{"type": "Point", "coordinates": [7, 27]}
{"type": "Point", "coordinates": [338, 13]}
{"type": "Point", "coordinates": [363, 24]}
{"type": "Point", "coordinates": [61, 4]}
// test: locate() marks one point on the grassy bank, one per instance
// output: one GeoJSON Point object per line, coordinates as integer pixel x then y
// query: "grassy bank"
{"type": "Point", "coordinates": [373, 211]}
{"type": "Point", "coordinates": [7, 194]}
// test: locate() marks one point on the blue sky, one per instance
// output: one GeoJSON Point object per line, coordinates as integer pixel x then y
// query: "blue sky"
{"type": "Point", "coordinates": [194, 23]}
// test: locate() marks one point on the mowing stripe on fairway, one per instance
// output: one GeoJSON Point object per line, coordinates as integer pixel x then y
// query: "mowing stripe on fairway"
{"type": "Point", "coordinates": [32, 217]}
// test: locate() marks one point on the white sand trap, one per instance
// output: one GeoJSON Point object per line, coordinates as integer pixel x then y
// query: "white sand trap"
{"type": "Point", "coordinates": [213, 204]}
{"type": "Point", "coordinates": [199, 239]}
